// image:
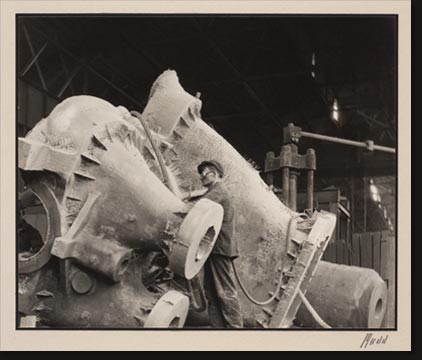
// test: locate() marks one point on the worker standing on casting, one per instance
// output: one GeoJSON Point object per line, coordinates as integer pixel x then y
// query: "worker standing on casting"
{"type": "Point", "coordinates": [219, 279]}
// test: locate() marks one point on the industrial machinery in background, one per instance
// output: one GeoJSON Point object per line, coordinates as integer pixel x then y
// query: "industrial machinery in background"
{"type": "Point", "coordinates": [336, 281]}
{"type": "Point", "coordinates": [122, 249]}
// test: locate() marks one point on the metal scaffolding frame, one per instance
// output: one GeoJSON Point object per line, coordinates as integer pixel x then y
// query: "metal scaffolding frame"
{"type": "Point", "coordinates": [73, 68]}
{"type": "Point", "coordinates": [70, 74]}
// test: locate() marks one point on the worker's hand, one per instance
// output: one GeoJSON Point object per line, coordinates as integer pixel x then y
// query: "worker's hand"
{"type": "Point", "coordinates": [195, 194]}
{"type": "Point", "coordinates": [198, 193]}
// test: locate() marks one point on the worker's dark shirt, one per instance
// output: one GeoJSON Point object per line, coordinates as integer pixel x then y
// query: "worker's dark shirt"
{"type": "Point", "coordinates": [226, 243]}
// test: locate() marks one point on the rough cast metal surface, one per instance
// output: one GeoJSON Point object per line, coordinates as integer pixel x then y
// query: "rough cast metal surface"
{"type": "Point", "coordinates": [101, 237]}
{"type": "Point", "coordinates": [261, 219]}
{"type": "Point", "coordinates": [94, 171]}
{"type": "Point", "coordinates": [345, 297]}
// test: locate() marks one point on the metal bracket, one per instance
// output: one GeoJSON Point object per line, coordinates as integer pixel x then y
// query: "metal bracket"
{"type": "Point", "coordinates": [290, 158]}
{"type": "Point", "coordinates": [290, 162]}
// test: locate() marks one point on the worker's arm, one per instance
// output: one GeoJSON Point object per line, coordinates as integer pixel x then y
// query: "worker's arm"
{"type": "Point", "coordinates": [215, 195]}
{"type": "Point", "coordinates": [195, 194]}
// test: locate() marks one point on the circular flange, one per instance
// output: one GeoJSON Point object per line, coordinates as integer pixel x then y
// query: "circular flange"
{"type": "Point", "coordinates": [38, 260]}
{"type": "Point", "coordinates": [170, 311]}
{"type": "Point", "coordinates": [196, 237]}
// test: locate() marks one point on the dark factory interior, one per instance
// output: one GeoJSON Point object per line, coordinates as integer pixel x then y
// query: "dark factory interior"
{"type": "Point", "coordinates": [329, 75]}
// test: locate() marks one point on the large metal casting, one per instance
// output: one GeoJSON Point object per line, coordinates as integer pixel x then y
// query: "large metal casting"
{"type": "Point", "coordinates": [345, 297]}
{"type": "Point", "coordinates": [96, 174]}
{"type": "Point", "coordinates": [262, 221]}
{"type": "Point", "coordinates": [112, 188]}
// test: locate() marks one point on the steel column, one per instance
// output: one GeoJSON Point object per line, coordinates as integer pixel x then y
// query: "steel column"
{"type": "Point", "coordinates": [293, 190]}
{"type": "Point", "coordinates": [31, 48]}
{"type": "Point", "coordinates": [285, 173]}
{"type": "Point", "coordinates": [34, 59]}
{"type": "Point", "coordinates": [310, 190]}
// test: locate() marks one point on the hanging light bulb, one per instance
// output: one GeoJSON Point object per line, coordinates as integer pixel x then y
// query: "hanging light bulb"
{"type": "Point", "coordinates": [335, 105]}
{"type": "Point", "coordinates": [335, 114]}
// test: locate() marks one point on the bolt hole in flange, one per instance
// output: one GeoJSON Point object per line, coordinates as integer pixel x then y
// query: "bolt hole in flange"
{"type": "Point", "coordinates": [175, 323]}
{"type": "Point", "coordinates": [122, 266]}
{"type": "Point", "coordinates": [378, 308]}
{"type": "Point", "coordinates": [37, 230]}
{"type": "Point", "coordinates": [205, 245]}
{"type": "Point", "coordinates": [377, 305]}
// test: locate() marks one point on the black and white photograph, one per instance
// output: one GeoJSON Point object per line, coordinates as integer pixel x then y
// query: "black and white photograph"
{"type": "Point", "coordinates": [207, 173]}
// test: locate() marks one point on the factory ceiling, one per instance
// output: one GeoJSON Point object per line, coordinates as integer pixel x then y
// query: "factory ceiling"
{"type": "Point", "coordinates": [255, 74]}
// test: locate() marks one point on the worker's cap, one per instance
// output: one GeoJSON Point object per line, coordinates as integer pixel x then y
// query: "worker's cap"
{"type": "Point", "coordinates": [211, 163]}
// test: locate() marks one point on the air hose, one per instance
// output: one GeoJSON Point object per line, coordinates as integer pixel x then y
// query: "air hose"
{"type": "Point", "coordinates": [160, 158]}
{"type": "Point", "coordinates": [202, 306]}
{"type": "Point", "coordinates": [312, 311]}
{"type": "Point", "coordinates": [203, 302]}
{"type": "Point", "coordinates": [305, 301]}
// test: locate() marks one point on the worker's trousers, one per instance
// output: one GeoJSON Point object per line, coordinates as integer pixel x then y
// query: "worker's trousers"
{"type": "Point", "coordinates": [221, 292]}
